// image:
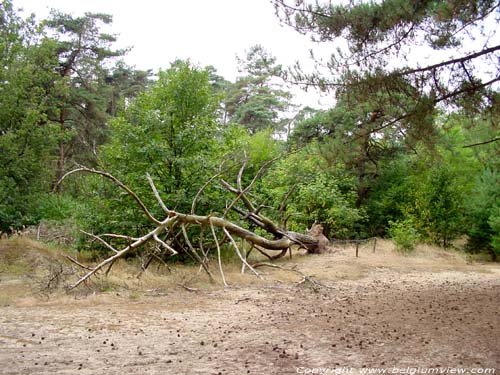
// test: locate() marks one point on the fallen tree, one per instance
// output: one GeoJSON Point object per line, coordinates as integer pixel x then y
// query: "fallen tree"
{"type": "Point", "coordinates": [170, 234]}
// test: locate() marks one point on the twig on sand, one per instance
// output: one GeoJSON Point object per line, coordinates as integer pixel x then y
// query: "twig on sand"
{"type": "Point", "coordinates": [305, 278]}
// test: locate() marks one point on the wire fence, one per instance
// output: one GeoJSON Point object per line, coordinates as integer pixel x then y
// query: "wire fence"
{"type": "Point", "coordinates": [357, 243]}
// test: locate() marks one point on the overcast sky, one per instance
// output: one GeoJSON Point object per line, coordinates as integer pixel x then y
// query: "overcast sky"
{"type": "Point", "coordinates": [207, 32]}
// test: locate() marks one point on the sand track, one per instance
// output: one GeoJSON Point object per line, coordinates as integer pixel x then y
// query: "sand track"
{"type": "Point", "coordinates": [389, 318]}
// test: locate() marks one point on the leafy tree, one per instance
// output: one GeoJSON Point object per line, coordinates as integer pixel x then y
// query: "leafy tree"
{"type": "Point", "coordinates": [390, 194]}
{"type": "Point", "coordinates": [482, 204]}
{"type": "Point", "coordinates": [256, 101]}
{"type": "Point", "coordinates": [305, 189]}
{"type": "Point", "coordinates": [169, 131]}
{"type": "Point", "coordinates": [438, 205]}
{"type": "Point", "coordinates": [82, 52]}
{"type": "Point", "coordinates": [27, 138]}
{"type": "Point", "coordinates": [427, 189]}
{"type": "Point", "coordinates": [404, 234]}
{"type": "Point", "coordinates": [344, 133]}
{"type": "Point", "coordinates": [483, 207]}
{"type": "Point", "coordinates": [123, 84]}
{"type": "Point", "coordinates": [387, 128]}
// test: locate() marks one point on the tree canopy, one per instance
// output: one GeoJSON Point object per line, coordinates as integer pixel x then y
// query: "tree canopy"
{"type": "Point", "coordinates": [409, 148]}
{"type": "Point", "coordinates": [256, 101]}
{"type": "Point", "coordinates": [404, 59]}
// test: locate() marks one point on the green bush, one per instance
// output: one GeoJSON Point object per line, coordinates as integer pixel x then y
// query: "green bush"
{"type": "Point", "coordinates": [53, 207]}
{"type": "Point", "coordinates": [306, 190]}
{"type": "Point", "coordinates": [494, 222]}
{"type": "Point", "coordinates": [404, 235]}
{"type": "Point", "coordinates": [483, 214]}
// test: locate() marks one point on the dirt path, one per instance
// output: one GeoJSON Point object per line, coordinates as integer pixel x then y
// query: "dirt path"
{"type": "Point", "coordinates": [386, 319]}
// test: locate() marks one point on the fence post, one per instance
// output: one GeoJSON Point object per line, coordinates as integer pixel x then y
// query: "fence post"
{"type": "Point", "coordinates": [357, 246]}
{"type": "Point", "coordinates": [374, 244]}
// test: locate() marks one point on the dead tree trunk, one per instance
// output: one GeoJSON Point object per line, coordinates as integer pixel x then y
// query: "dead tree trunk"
{"type": "Point", "coordinates": [174, 225]}
{"type": "Point", "coordinates": [253, 215]}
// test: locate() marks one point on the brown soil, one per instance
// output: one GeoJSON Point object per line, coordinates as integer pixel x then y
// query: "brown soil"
{"type": "Point", "coordinates": [380, 310]}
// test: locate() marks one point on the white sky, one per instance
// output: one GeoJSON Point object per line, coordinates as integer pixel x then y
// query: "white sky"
{"type": "Point", "coordinates": [207, 32]}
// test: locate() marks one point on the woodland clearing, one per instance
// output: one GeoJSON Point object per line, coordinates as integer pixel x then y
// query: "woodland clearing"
{"type": "Point", "coordinates": [431, 309]}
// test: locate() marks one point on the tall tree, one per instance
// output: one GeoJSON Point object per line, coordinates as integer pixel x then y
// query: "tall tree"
{"type": "Point", "coordinates": [28, 85]}
{"type": "Point", "coordinates": [345, 140]}
{"type": "Point", "coordinates": [169, 132]}
{"type": "Point", "coordinates": [257, 99]}
{"type": "Point", "coordinates": [123, 84]}
{"type": "Point", "coordinates": [379, 45]}
{"type": "Point", "coordinates": [82, 51]}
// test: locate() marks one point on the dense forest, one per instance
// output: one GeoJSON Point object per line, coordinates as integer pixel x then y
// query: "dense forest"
{"type": "Point", "coordinates": [409, 151]}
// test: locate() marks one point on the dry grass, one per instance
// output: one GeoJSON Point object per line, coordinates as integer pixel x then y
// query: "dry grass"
{"type": "Point", "coordinates": [26, 265]}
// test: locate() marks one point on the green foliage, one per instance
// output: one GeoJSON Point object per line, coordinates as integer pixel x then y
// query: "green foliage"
{"type": "Point", "coordinates": [55, 94]}
{"type": "Point", "coordinates": [365, 23]}
{"type": "Point", "coordinates": [404, 234]}
{"type": "Point", "coordinates": [390, 194]}
{"type": "Point", "coordinates": [56, 207]}
{"type": "Point", "coordinates": [304, 191]}
{"type": "Point", "coordinates": [321, 125]}
{"type": "Point", "coordinates": [27, 138]}
{"type": "Point", "coordinates": [169, 132]}
{"type": "Point", "coordinates": [494, 222]}
{"type": "Point", "coordinates": [372, 35]}
{"type": "Point", "coordinates": [386, 160]}
{"type": "Point", "coordinates": [123, 84]}
{"type": "Point", "coordinates": [483, 207]}
{"type": "Point", "coordinates": [255, 100]}
{"type": "Point", "coordinates": [429, 188]}
{"type": "Point", "coordinates": [81, 109]}
{"type": "Point", "coordinates": [437, 205]}
{"type": "Point", "coordinates": [257, 148]}
{"type": "Point", "coordinates": [321, 200]}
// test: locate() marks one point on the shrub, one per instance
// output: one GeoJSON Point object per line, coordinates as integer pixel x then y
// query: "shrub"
{"type": "Point", "coordinates": [404, 234]}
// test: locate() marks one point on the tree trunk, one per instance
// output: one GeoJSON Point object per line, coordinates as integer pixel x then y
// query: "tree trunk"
{"type": "Point", "coordinates": [175, 224]}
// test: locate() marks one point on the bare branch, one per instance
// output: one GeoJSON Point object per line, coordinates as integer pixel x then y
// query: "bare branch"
{"type": "Point", "coordinates": [277, 244]}
{"type": "Point", "coordinates": [452, 61]}
{"type": "Point", "coordinates": [240, 173]}
{"type": "Point", "coordinates": [315, 284]}
{"type": "Point", "coordinates": [157, 195]}
{"type": "Point", "coordinates": [189, 289]}
{"type": "Point", "coordinates": [126, 250]}
{"type": "Point", "coordinates": [243, 260]}
{"type": "Point", "coordinates": [165, 245]}
{"type": "Point", "coordinates": [282, 239]}
{"type": "Point", "coordinates": [197, 196]}
{"type": "Point", "coordinates": [162, 262]}
{"type": "Point", "coordinates": [261, 207]}
{"type": "Point", "coordinates": [483, 143]}
{"type": "Point", "coordinates": [247, 254]}
{"type": "Point", "coordinates": [116, 181]}
{"type": "Point", "coordinates": [241, 192]}
{"type": "Point", "coordinates": [109, 268]}
{"type": "Point", "coordinates": [239, 195]}
{"type": "Point", "coordinates": [260, 171]}
{"type": "Point", "coordinates": [112, 235]}
{"type": "Point", "coordinates": [272, 257]}
{"type": "Point", "coordinates": [218, 252]}
{"type": "Point", "coordinates": [100, 240]}
{"type": "Point", "coordinates": [198, 258]}
{"type": "Point", "coordinates": [73, 260]}
{"type": "Point", "coordinates": [264, 253]}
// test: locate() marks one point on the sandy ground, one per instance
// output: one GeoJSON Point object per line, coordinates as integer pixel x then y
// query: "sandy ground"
{"type": "Point", "coordinates": [374, 313]}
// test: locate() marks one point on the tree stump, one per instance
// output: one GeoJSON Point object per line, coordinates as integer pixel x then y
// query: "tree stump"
{"type": "Point", "coordinates": [321, 247]}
